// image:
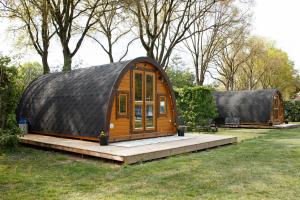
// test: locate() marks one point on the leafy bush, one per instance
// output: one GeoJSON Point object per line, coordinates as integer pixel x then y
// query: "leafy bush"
{"type": "Point", "coordinates": [9, 136]}
{"type": "Point", "coordinates": [9, 97]}
{"type": "Point", "coordinates": [196, 105]}
{"type": "Point", "coordinates": [292, 110]}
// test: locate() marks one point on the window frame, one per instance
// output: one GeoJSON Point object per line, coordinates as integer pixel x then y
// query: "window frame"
{"type": "Point", "coordinates": [152, 102]}
{"type": "Point", "coordinates": [122, 115]}
{"type": "Point", "coordinates": [159, 114]}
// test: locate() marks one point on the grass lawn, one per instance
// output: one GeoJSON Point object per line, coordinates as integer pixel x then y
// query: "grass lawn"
{"type": "Point", "coordinates": [294, 122]}
{"type": "Point", "coordinates": [265, 167]}
{"type": "Point", "coordinates": [242, 133]}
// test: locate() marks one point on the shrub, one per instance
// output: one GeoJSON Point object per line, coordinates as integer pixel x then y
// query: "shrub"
{"type": "Point", "coordinates": [292, 110]}
{"type": "Point", "coordinates": [196, 105]}
{"type": "Point", "coordinates": [9, 136]}
{"type": "Point", "coordinates": [9, 97]}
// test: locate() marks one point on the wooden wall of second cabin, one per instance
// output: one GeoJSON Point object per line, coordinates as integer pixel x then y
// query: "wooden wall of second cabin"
{"type": "Point", "coordinates": [277, 102]}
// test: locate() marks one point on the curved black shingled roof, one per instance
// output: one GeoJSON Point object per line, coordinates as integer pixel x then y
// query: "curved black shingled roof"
{"type": "Point", "coordinates": [254, 106]}
{"type": "Point", "coordinates": [76, 103]}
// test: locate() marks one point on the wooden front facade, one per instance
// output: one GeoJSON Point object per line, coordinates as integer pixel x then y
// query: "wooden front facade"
{"type": "Point", "coordinates": [277, 116]}
{"type": "Point", "coordinates": [143, 105]}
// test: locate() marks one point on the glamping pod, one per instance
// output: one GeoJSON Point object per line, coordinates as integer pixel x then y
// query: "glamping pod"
{"type": "Point", "coordinates": [250, 107]}
{"type": "Point", "coordinates": [129, 100]}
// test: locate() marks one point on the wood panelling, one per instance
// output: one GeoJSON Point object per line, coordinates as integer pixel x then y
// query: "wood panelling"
{"type": "Point", "coordinates": [277, 110]}
{"type": "Point", "coordinates": [120, 125]}
{"type": "Point", "coordinates": [164, 124]}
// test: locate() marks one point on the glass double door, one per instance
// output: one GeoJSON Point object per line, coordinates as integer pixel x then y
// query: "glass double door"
{"type": "Point", "coordinates": [143, 101]}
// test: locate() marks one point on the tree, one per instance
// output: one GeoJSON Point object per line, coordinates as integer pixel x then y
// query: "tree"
{"type": "Point", "coordinates": [267, 67]}
{"type": "Point", "coordinates": [112, 25]}
{"type": "Point", "coordinates": [178, 76]}
{"type": "Point", "coordinates": [34, 19]}
{"type": "Point", "coordinates": [73, 17]}
{"type": "Point", "coordinates": [231, 57]}
{"type": "Point", "coordinates": [254, 68]}
{"type": "Point", "coordinates": [208, 36]}
{"type": "Point", "coordinates": [27, 72]}
{"type": "Point", "coordinates": [163, 24]}
{"type": "Point", "coordinates": [280, 73]}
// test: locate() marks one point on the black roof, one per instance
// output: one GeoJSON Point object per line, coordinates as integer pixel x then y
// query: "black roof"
{"type": "Point", "coordinates": [251, 106]}
{"type": "Point", "coordinates": [76, 103]}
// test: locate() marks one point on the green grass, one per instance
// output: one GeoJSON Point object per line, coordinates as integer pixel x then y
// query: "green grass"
{"type": "Point", "coordinates": [294, 122]}
{"type": "Point", "coordinates": [242, 133]}
{"type": "Point", "coordinates": [265, 167]}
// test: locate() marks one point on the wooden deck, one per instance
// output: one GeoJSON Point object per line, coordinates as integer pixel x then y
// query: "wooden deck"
{"type": "Point", "coordinates": [131, 151]}
{"type": "Point", "coordinates": [279, 126]}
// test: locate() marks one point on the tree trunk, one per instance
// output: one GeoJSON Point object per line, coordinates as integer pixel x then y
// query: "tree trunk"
{"type": "Point", "coordinates": [201, 81]}
{"type": "Point", "coordinates": [150, 54]}
{"type": "Point", "coordinates": [67, 60]}
{"type": "Point", "coordinates": [227, 86]}
{"type": "Point", "coordinates": [196, 63]}
{"type": "Point", "coordinates": [46, 68]}
{"type": "Point", "coordinates": [110, 54]}
{"type": "Point", "coordinates": [197, 76]}
{"type": "Point", "coordinates": [231, 86]}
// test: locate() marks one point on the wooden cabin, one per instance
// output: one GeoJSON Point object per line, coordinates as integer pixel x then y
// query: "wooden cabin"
{"type": "Point", "coordinates": [129, 100]}
{"type": "Point", "coordinates": [250, 108]}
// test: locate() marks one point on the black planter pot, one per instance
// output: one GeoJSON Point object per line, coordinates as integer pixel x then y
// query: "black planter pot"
{"type": "Point", "coordinates": [103, 140]}
{"type": "Point", "coordinates": [270, 123]}
{"type": "Point", "coordinates": [180, 132]}
{"type": "Point", "coordinates": [286, 121]}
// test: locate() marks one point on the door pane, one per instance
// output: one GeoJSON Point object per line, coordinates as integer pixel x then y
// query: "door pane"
{"type": "Point", "coordinates": [149, 87]}
{"type": "Point", "coordinates": [149, 116]}
{"type": "Point", "coordinates": [138, 87]}
{"type": "Point", "coordinates": [138, 123]}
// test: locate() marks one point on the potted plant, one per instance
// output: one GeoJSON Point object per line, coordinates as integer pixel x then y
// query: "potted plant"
{"type": "Point", "coordinates": [103, 138]}
{"type": "Point", "coordinates": [286, 121]}
{"type": "Point", "coordinates": [180, 131]}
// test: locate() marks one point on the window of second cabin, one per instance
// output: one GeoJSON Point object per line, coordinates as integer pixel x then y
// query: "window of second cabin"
{"type": "Point", "coordinates": [122, 104]}
{"type": "Point", "coordinates": [162, 105]}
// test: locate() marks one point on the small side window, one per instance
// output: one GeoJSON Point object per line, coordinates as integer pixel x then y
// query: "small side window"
{"type": "Point", "coordinates": [122, 107]}
{"type": "Point", "coordinates": [162, 110]}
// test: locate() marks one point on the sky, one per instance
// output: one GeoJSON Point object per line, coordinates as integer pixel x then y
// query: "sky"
{"type": "Point", "coordinates": [273, 19]}
{"type": "Point", "coordinates": [280, 22]}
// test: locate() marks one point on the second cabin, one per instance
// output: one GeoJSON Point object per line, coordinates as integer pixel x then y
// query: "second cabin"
{"type": "Point", "coordinates": [129, 100]}
{"type": "Point", "coordinates": [250, 108]}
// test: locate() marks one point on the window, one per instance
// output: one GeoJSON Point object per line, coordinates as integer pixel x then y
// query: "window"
{"type": "Point", "coordinates": [149, 100]}
{"type": "Point", "coordinates": [122, 104]}
{"type": "Point", "coordinates": [138, 100]}
{"type": "Point", "coordinates": [149, 87]}
{"type": "Point", "coordinates": [162, 105]}
{"type": "Point", "coordinates": [138, 87]}
{"type": "Point", "coordinates": [122, 107]}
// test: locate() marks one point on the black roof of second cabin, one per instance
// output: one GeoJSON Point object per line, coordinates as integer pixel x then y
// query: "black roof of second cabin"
{"type": "Point", "coordinates": [251, 106]}
{"type": "Point", "coordinates": [76, 102]}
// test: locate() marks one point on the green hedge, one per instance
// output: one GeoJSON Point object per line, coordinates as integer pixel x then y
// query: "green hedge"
{"type": "Point", "coordinates": [9, 97]}
{"type": "Point", "coordinates": [292, 110]}
{"type": "Point", "coordinates": [196, 105]}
